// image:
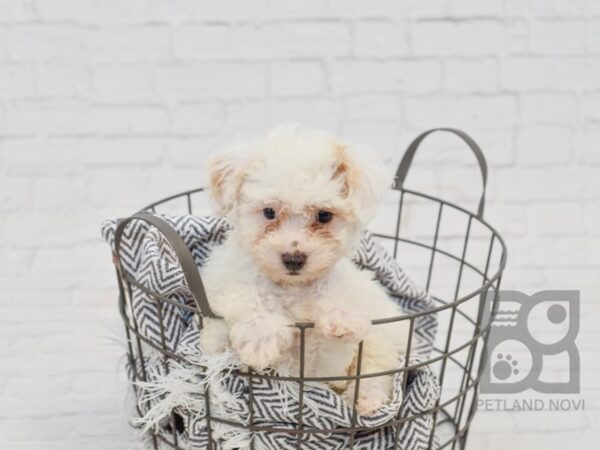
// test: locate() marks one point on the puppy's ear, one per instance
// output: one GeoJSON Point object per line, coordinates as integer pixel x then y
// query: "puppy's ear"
{"type": "Point", "coordinates": [226, 176]}
{"type": "Point", "coordinates": [359, 184]}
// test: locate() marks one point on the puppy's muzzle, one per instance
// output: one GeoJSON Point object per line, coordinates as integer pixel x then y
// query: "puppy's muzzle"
{"type": "Point", "coordinates": [293, 261]}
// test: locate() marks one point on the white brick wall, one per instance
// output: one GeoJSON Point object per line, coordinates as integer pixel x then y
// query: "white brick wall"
{"type": "Point", "coordinates": [105, 106]}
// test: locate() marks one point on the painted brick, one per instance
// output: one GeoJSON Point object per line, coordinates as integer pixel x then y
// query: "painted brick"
{"type": "Point", "coordinates": [387, 8]}
{"type": "Point", "coordinates": [90, 11]}
{"type": "Point", "coordinates": [57, 194]}
{"type": "Point", "coordinates": [184, 10]}
{"type": "Point", "coordinates": [198, 119]}
{"type": "Point", "coordinates": [297, 78]}
{"type": "Point", "coordinates": [557, 219]}
{"type": "Point", "coordinates": [381, 38]}
{"type": "Point", "coordinates": [50, 117]}
{"type": "Point", "coordinates": [593, 35]}
{"type": "Point", "coordinates": [113, 120]}
{"type": "Point", "coordinates": [378, 138]}
{"type": "Point", "coordinates": [131, 43]}
{"type": "Point", "coordinates": [15, 193]}
{"type": "Point", "coordinates": [190, 152]}
{"type": "Point", "coordinates": [548, 108]}
{"type": "Point", "coordinates": [308, 9]}
{"type": "Point", "coordinates": [553, 9]}
{"type": "Point", "coordinates": [495, 112]}
{"type": "Point", "coordinates": [479, 75]}
{"type": "Point", "coordinates": [373, 107]}
{"type": "Point", "coordinates": [63, 79]}
{"type": "Point", "coordinates": [470, 37]}
{"type": "Point", "coordinates": [16, 80]}
{"type": "Point", "coordinates": [202, 41]}
{"type": "Point", "coordinates": [106, 106]}
{"type": "Point", "coordinates": [524, 73]}
{"type": "Point", "coordinates": [292, 40]}
{"type": "Point", "coordinates": [470, 8]}
{"type": "Point", "coordinates": [586, 146]}
{"type": "Point", "coordinates": [107, 189]}
{"type": "Point", "coordinates": [16, 11]}
{"type": "Point", "coordinates": [556, 37]}
{"type": "Point", "coordinates": [256, 117]}
{"type": "Point", "coordinates": [356, 76]}
{"type": "Point", "coordinates": [590, 106]}
{"type": "Point", "coordinates": [4, 49]}
{"type": "Point", "coordinates": [222, 80]}
{"type": "Point", "coordinates": [543, 145]}
{"type": "Point", "coordinates": [526, 185]}
{"type": "Point", "coordinates": [46, 429]}
{"type": "Point", "coordinates": [123, 82]}
{"type": "Point", "coordinates": [48, 42]}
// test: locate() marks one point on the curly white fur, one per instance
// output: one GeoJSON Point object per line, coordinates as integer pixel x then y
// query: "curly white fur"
{"type": "Point", "coordinates": [296, 174]}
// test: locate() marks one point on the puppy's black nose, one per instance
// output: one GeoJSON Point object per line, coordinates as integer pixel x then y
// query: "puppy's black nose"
{"type": "Point", "coordinates": [294, 261]}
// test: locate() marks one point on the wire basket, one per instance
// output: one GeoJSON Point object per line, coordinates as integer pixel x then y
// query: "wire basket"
{"type": "Point", "coordinates": [454, 253]}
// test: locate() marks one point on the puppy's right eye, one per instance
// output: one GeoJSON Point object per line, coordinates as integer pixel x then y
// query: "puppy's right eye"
{"type": "Point", "coordinates": [269, 213]}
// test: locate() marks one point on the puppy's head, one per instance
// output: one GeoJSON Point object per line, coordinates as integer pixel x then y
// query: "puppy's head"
{"type": "Point", "coordinates": [297, 200]}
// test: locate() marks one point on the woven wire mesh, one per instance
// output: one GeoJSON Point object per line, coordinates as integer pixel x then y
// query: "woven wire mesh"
{"type": "Point", "coordinates": [460, 279]}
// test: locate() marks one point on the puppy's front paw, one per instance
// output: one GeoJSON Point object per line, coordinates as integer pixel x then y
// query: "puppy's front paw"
{"type": "Point", "coordinates": [261, 341]}
{"type": "Point", "coordinates": [344, 325]}
{"type": "Point", "coordinates": [371, 396]}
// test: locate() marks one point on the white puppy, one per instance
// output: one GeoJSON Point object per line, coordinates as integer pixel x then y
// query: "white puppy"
{"type": "Point", "coordinates": [298, 201]}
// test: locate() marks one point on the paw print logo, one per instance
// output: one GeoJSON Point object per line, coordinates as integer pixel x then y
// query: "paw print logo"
{"type": "Point", "coordinates": [505, 367]}
{"type": "Point", "coordinates": [527, 332]}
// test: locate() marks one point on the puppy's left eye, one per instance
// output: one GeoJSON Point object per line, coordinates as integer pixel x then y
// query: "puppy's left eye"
{"type": "Point", "coordinates": [269, 213]}
{"type": "Point", "coordinates": [324, 216]}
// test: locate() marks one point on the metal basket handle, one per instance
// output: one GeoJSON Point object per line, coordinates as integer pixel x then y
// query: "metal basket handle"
{"type": "Point", "coordinates": [190, 271]}
{"type": "Point", "coordinates": [406, 161]}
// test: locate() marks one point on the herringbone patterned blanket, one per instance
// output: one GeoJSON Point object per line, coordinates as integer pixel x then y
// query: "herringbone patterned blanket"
{"type": "Point", "coordinates": [149, 259]}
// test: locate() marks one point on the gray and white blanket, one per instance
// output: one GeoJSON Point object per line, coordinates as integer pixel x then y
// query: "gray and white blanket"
{"type": "Point", "coordinates": [173, 387]}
